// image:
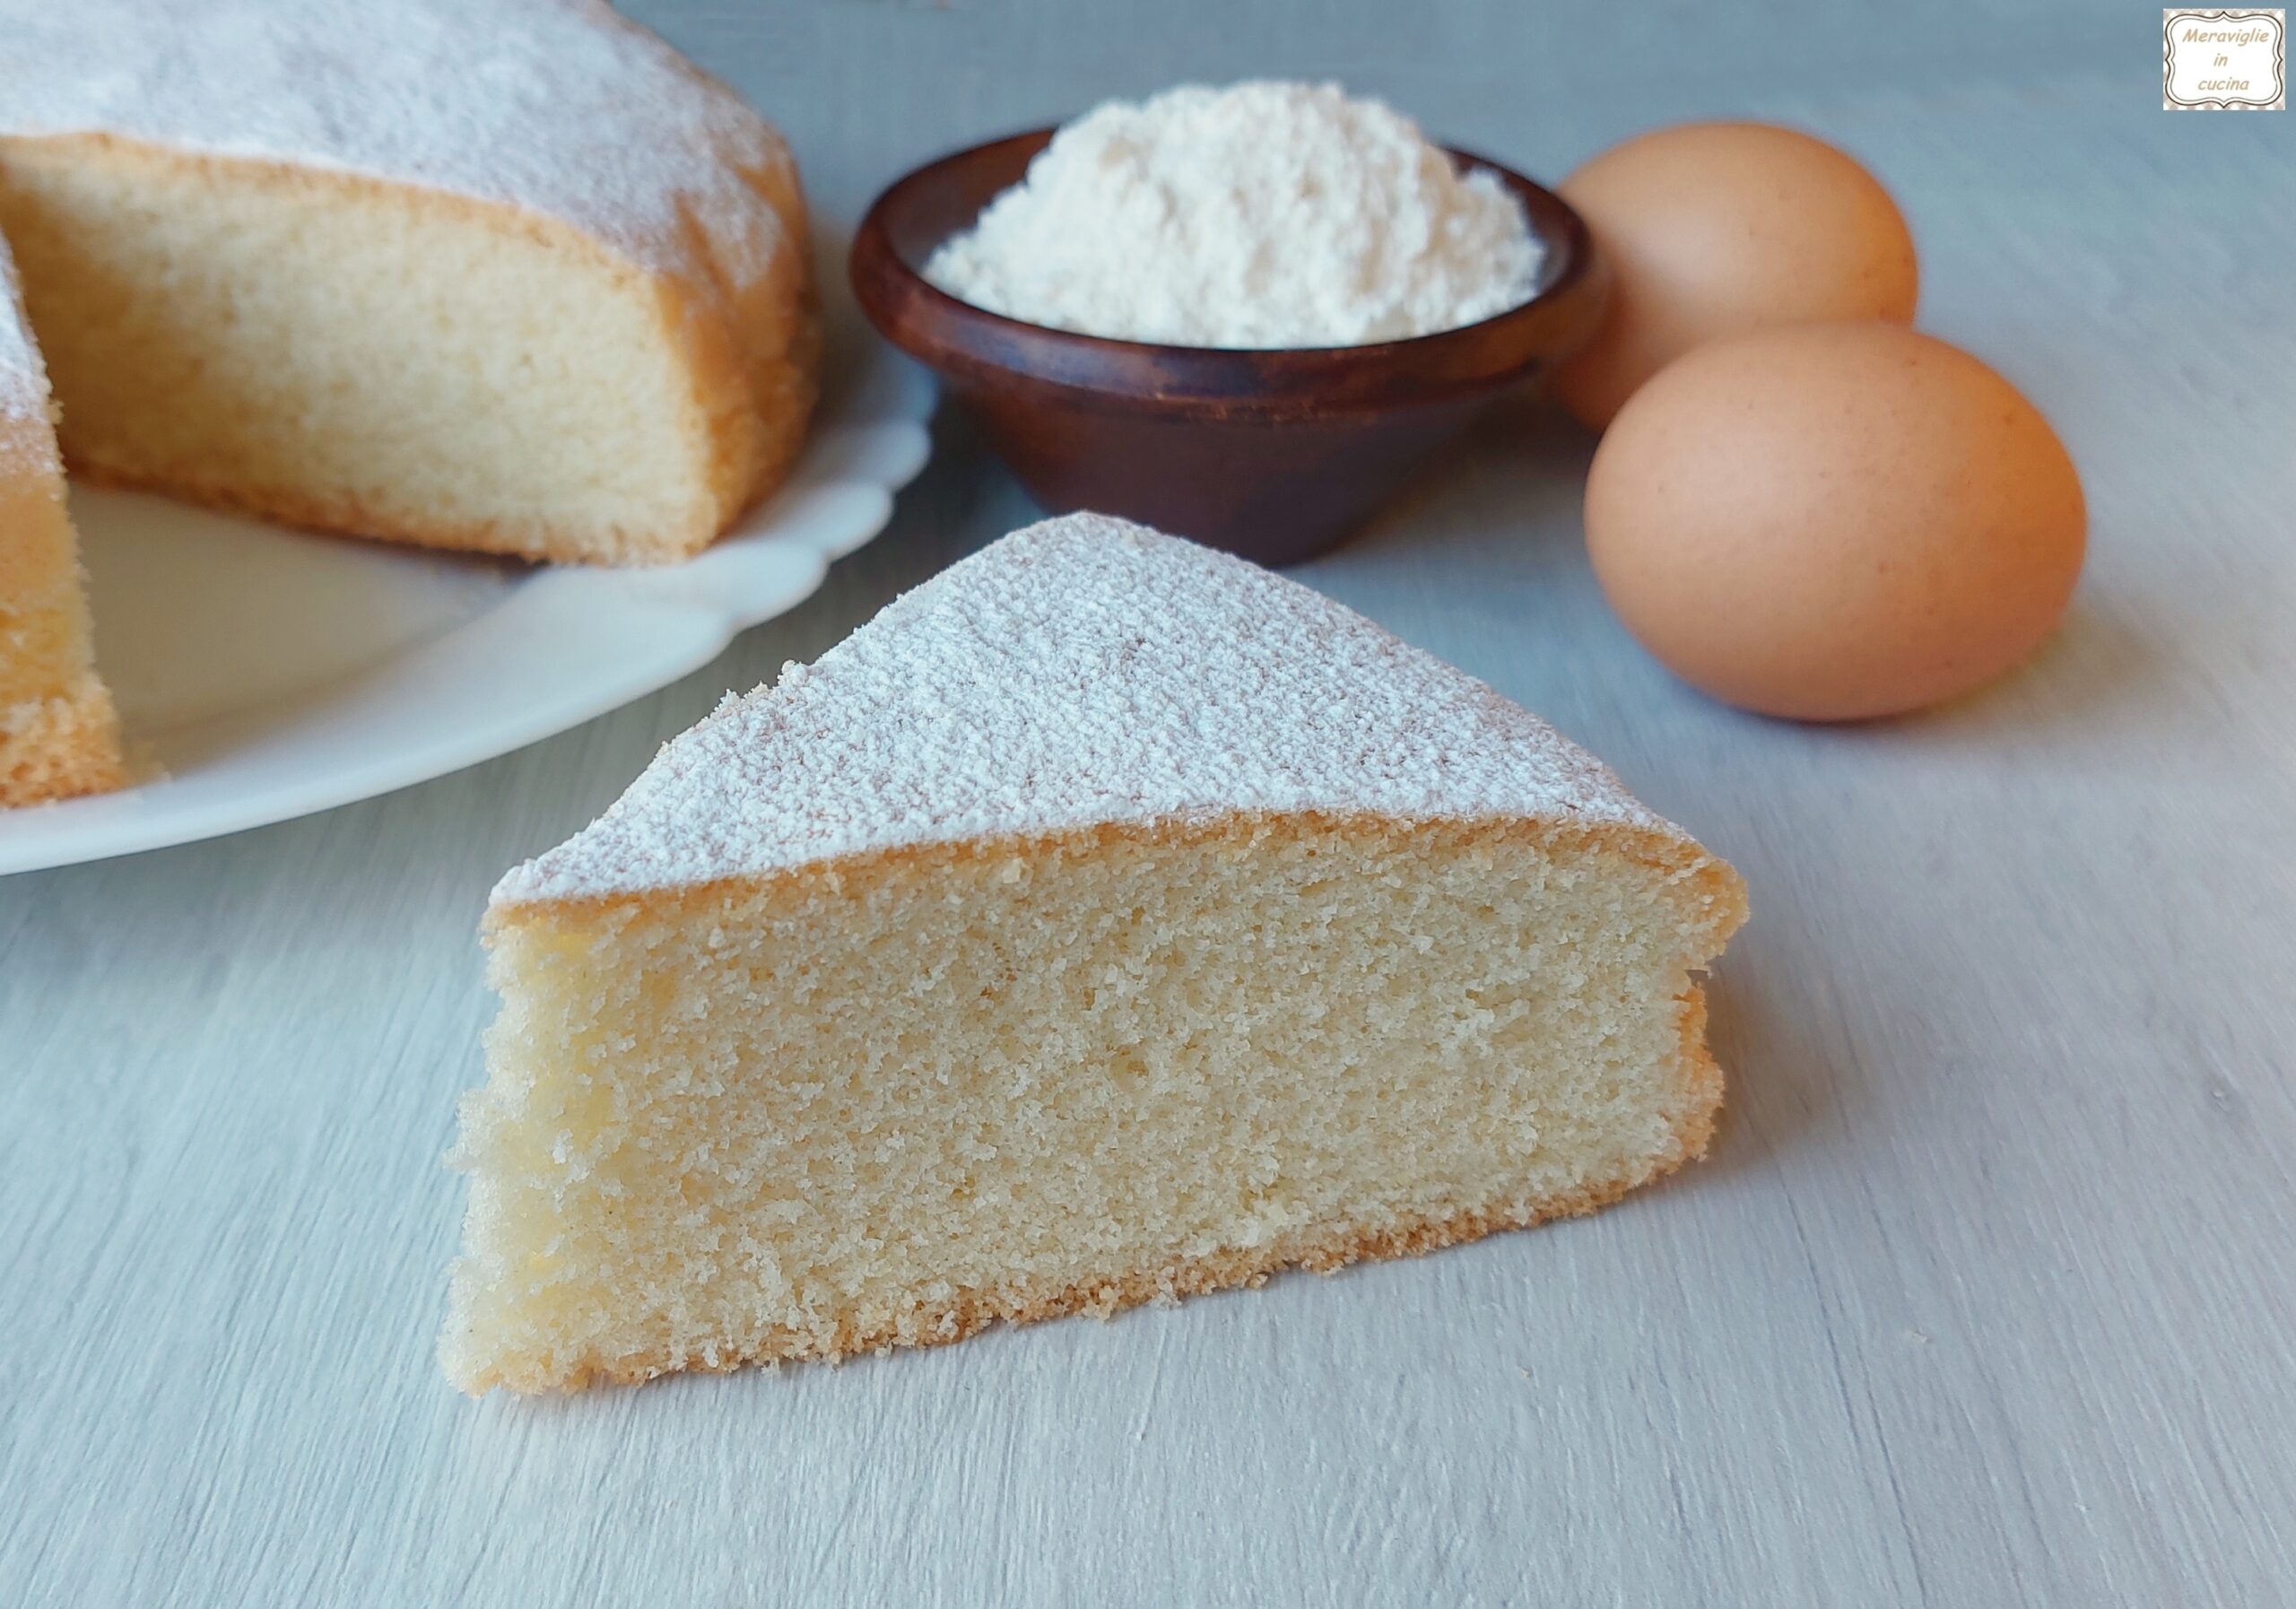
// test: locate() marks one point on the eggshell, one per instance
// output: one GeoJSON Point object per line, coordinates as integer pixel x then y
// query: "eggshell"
{"type": "Point", "coordinates": [1828, 522]}
{"type": "Point", "coordinates": [1718, 229]}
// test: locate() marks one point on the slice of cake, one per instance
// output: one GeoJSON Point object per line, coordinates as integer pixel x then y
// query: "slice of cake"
{"type": "Point", "coordinates": [57, 733]}
{"type": "Point", "coordinates": [1109, 919]}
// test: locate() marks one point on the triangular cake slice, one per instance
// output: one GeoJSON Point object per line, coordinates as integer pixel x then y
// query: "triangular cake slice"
{"type": "Point", "coordinates": [1109, 919]}
{"type": "Point", "coordinates": [57, 733]}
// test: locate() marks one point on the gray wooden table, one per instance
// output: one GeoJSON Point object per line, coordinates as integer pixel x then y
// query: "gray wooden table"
{"type": "Point", "coordinates": [1986, 1296]}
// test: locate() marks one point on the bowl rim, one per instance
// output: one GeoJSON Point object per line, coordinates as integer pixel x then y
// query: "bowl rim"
{"type": "Point", "coordinates": [1441, 365]}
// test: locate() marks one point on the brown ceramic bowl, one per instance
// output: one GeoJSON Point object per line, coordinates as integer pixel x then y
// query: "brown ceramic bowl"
{"type": "Point", "coordinates": [1272, 454]}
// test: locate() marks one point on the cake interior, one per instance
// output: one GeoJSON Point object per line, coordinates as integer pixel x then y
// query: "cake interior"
{"type": "Point", "coordinates": [888, 1101]}
{"type": "Point", "coordinates": [59, 735]}
{"type": "Point", "coordinates": [320, 349]}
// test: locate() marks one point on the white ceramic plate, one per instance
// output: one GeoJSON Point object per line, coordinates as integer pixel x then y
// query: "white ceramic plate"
{"type": "Point", "coordinates": [264, 674]}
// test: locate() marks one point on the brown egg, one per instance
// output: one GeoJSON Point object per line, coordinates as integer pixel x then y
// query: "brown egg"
{"type": "Point", "coordinates": [1720, 228]}
{"type": "Point", "coordinates": [1828, 522]}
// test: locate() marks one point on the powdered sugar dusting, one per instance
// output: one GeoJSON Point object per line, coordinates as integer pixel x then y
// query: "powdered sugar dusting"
{"type": "Point", "coordinates": [23, 387]}
{"type": "Point", "coordinates": [556, 106]}
{"type": "Point", "coordinates": [1082, 671]}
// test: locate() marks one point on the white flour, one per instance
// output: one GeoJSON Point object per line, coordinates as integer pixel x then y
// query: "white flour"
{"type": "Point", "coordinates": [1264, 216]}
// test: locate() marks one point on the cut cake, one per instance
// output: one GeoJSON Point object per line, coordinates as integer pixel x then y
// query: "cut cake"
{"type": "Point", "coordinates": [57, 733]}
{"type": "Point", "coordinates": [512, 276]}
{"type": "Point", "coordinates": [1109, 919]}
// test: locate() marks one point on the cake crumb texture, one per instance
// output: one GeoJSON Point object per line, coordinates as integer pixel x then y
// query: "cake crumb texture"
{"type": "Point", "coordinates": [60, 746]}
{"type": "Point", "coordinates": [889, 1102]}
{"type": "Point", "coordinates": [58, 735]}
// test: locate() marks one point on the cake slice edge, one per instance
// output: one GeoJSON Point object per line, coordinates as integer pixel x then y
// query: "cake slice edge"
{"type": "Point", "coordinates": [59, 734]}
{"type": "Point", "coordinates": [62, 746]}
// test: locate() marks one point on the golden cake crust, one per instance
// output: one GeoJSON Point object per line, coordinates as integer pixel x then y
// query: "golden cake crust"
{"type": "Point", "coordinates": [1657, 845]}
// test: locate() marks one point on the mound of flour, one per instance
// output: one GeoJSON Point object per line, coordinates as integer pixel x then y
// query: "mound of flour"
{"type": "Point", "coordinates": [1266, 214]}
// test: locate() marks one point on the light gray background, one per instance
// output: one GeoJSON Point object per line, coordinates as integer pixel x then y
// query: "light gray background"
{"type": "Point", "coordinates": [1984, 1297]}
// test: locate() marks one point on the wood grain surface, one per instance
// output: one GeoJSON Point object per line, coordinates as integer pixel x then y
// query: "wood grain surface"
{"type": "Point", "coordinates": [1986, 1296]}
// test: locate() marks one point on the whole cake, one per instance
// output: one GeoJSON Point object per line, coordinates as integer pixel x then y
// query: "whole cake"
{"type": "Point", "coordinates": [510, 276]}
{"type": "Point", "coordinates": [1109, 919]}
{"type": "Point", "coordinates": [57, 733]}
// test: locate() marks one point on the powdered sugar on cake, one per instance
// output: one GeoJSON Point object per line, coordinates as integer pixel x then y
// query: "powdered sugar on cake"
{"type": "Point", "coordinates": [556, 106]}
{"type": "Point", "coordinates": [23, 385]}
{"type": "Point", "coordinates": [1082, 671]}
